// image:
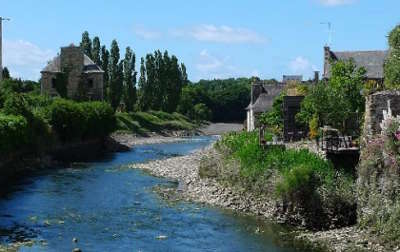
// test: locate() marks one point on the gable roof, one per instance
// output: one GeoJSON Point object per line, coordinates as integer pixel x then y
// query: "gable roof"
{"type": "Point", "coordinates": [54, 66]}
{"type": "Point", "coordinates": [372, 61]}
{"type": "Point", "coordinates": [263, 103]}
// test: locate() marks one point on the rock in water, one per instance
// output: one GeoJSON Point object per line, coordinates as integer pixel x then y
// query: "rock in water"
{"type": "Point", "coordinates": [74, 240]}
{"type": "Point", "coordinates": [161, 237]}
{"type": "Point", "coordinates": [77, 250]}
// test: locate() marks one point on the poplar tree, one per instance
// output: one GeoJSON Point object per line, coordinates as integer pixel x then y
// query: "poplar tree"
{"type": "Point", "coordinates": [105, 59]}
{"type": "Point", "coordinates": [86, 44]}
{"type": "Point", "coordinates": [129, 80]}
{"type": "Point", "coordinates": [143, 99]}
{"type": "Point", "coordinates": [116, 72]}
{"type": "Point", "coordinates": [96, 51]}
{"type": "Point", "coordinates": [184, 75]}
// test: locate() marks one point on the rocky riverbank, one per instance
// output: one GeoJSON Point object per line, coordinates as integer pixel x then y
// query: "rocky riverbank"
{"type": "Point", "coordinates": [192, 187]}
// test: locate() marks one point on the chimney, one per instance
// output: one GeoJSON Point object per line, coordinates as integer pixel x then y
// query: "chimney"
{"type": "Point", "coordinates": [71, 59]}
{"type": "Point", "coordinates": [316, 77]}
{"type": "Point", "coordinates": [327, 57]}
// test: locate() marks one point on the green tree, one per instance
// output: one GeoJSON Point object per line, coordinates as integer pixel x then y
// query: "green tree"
{"type": "Point", "coordinates": [86, 44]}
{"type": "Point", "coordinates": [116, 73]}
{"type": "Point", "coordinates": [392, 64]}
{"type": "Point", "coordinates": [185, 80]}
{"type": "Point", "coordinates": [129, 79]}
{"type": "Point", "coordinates": [337, 101]}
{"type": "Point", "coordinates": [143, 101]}
{"type": "Point", "coordinates": [96, 51]}
{"type": "Point", "coordinates": [6, 73]}
{"type": "Point", "coordinates": [105, 60]}
{"type": "Point", "coordinates": [201, 112]}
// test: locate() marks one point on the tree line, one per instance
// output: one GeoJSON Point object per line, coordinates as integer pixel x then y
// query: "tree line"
{"type": "Point", "coordinates": [158, 86]}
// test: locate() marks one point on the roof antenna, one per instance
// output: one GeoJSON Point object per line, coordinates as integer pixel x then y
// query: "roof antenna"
{"type": "Point", "coordinates": [329, 24]}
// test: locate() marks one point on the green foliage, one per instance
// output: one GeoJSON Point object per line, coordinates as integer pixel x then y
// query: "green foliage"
{"type": "Point", "coordinates": [6, 73]}
{"type": "Point", "coordinates": [77, 121]}
{"type": "Point", "coordinates": [18, 86]}
{"type": "Point", "coordinates": [13, 132]}
{"type": "Point", "coordinates": [96, 51]}
{"type": "Point", "coordinates": [61, 83]}
{"type": "Point", "coordinates": [201, 112]}
{"type": "Point", "coordinates": [129, 95]}
{"type": "Point", "coordinates": [105, 58]}
{"type": "Point", "coordinates": [225, 98]}
{"type": "Point", "coordinates": [67, 119]}
{"type": "Point", "coordinates": [337, 101]}
{"type": "Point", "coordinates": [392, 63]}
{"type": "Point", "coordinates": [86, 44]}
{"type": "Point", "coordinates": [116, 76]}
{"type": "Point", "coordinates": [161, 81]}
{"type": "Point", "coordinates": [296, 177]}
{"type": "Point", "coordinates": [143, 123]}
{"type": "Point", "coordinates": [100, 119]}
{"type": "Point", "coordinates": [273, 119]}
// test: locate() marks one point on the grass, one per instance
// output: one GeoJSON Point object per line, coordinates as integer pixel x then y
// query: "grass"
{"type": "Point", "coordinates": [298, 178]}
{"type": "Point", "coordinates": [142, 123]}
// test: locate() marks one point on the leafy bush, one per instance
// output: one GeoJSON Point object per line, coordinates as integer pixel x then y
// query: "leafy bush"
{"type": "Point", "coordinates": [76, 121]}
{"type": "Point", "coordinates": [13, 132]}
{"type": "Point", "coordinates": [100, 119]}
{"type": "Point", "coordinates": [68, 119]}
{"type": "Point", "coordinates": [298, 178]}
{"type": "Point", "coordinates": [201, 112]}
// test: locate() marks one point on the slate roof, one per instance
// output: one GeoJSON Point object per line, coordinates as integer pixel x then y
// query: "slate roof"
{"type": "Point", "coordinates": [263, 103]}
{"type": "Point", "coordinates": [54, 66]}
{"type": "Point", "coordinates": [287, 78]}
{"type": "Point", "coordinates": [372, 61]}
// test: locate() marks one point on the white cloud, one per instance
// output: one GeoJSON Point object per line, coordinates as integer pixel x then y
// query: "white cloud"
{"type": "Point", "coordinates": [336, 2]}
{"type": "Point", "coordinates": [210, 66]}
{"type": "Point", "coordinates": [24, 59]}
{"type": "Point", "coordinates": [303, 66]}
{"type": "Point", "coordinates": [146, 33]}
{"type": "Point", "coordinates": [219, 34]}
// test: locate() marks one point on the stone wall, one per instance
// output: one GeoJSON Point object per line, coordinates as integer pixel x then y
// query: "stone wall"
{"type": "Point", "coordinates": [374, 106]}
{"type": "Point", "coordinates": [72, 62]}
{"type": "Point", "coordinates": [46, 83]}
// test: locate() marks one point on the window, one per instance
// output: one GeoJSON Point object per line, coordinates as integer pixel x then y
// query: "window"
{"type": "Point", "coordinates": [53, 82]}
{"type": "Point", "coordinates": [90, 83]}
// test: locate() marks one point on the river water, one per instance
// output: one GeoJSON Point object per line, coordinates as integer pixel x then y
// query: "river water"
{"type": "Point", "coordinates": [109, 207]}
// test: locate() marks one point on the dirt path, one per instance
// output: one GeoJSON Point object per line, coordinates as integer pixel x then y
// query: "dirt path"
{"type": "Point", "coordinates": [220, 128]}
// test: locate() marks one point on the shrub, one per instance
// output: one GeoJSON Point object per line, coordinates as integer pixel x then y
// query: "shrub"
{"type": "Point", "coordinates": [13, 132]}
{"type": "Point", "coordinates": [68, 119]}
{"type": "Point", "coordinates": [298, 184]}
{"type": "Point", "coordinates": [100, 119]}
{"type": "Point", "coordinates": [201, 112]}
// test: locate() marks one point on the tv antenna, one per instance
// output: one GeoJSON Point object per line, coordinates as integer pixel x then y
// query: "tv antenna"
{"type": "Point", "coordinates": [330, 32]}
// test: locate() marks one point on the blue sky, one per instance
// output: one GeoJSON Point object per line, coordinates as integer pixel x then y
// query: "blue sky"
{"type": "Point", "coordinates": [215, 39]}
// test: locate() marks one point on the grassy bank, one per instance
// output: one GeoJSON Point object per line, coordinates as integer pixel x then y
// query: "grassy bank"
{"type": "Point", "coordinates": [307, 189]}
{"type": "Point", "coordinates": [143, 123]}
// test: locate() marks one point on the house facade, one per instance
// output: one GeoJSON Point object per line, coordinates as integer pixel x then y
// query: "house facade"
{"type": "Point", "coordinates": [82, 74]}
{"type": "Point", "coordinates": [372, 61]}
{"type": "Point", "coordinates": [263, 96]}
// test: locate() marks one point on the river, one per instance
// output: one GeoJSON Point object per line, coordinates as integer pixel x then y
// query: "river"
{"type": "Point", "coordinates": [109, 207]}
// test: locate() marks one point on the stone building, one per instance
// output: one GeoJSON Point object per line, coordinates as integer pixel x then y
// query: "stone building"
{"type": "Point", "coordinates": [372, 61]}
{"type": "Point", "coordinates": [263, 95]}
{"type": "Point", "coordinates": [82, 74]}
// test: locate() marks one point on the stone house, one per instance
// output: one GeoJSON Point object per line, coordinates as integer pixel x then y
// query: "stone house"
{"type": "Point", "coordinates": [372, 61]}
{"type": "Point", "coordinates": [263, 95]}
{"type": "Point", "coordinates": [82, 74]}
